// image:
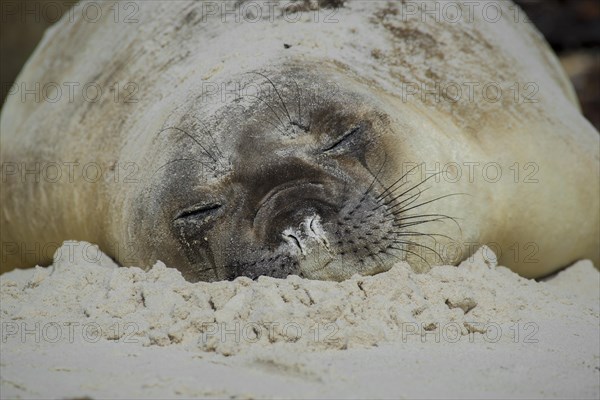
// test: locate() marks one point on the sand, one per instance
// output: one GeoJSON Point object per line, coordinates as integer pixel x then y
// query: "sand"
{"type": "Point", "coordinates": [84, 327]}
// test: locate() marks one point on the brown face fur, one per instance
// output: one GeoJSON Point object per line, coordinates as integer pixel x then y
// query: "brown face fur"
{"type": "Point", "coordinates": [286, 181]}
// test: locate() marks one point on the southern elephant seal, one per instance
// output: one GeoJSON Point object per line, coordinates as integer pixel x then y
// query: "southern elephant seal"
{"type": "Point", "coordinates": [318, 138]}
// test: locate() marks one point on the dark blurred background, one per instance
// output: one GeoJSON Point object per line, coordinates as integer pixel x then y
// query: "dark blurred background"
{"type": "Point", "coordinates": [572, 27]}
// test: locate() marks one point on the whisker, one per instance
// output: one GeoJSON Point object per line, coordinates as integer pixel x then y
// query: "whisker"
{"type": "Point", "coordinates": [408, 190]}
{"type": "Point", "coordinates": [298, 100]}
{"type": "Point", "coordinates": [183, 159]}
{"type": "Point", "coordinates": [393, 255]}
{"type": "Point", "coordinates": [374, 178]}
{"type": "Point", "coordinates": [411, 199]}
{"type": "Point", "coordinates": [410, 252]}
{"type": "Point", "coordinates": [270, 108]}
{"type": "Point", "coordinates": [431, 201]}
{"type": "Point", "coordinates": [430, 235]}
{"type": "Point", "coordinates": [191, 137]}
{"type": "Point", "coordinates": [417, 223]}
{"type": "Point", "coordinates": [381, 263]}
{"type": "Point", "coordinates": [421, 216]}
{"type": "Point", "coordinates": [206, 131]}
{"type": "Point", "coordinates": [442, 216]}
{"type": "Point", "coordinates": [278, 94]}
{"type": "Point", "coordinates": [383, 194]}
{"type": "Point", "coordinates": [420, 245]}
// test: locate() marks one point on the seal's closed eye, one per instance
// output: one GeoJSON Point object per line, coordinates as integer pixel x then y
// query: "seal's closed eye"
{"type": "Point", "coordinates": [345, 139]}
{"type": "Point", "coordinates": [198, 211]}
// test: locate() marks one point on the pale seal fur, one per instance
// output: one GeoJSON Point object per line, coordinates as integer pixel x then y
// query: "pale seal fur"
{"type": "Point", "coordinates": [262, 145]}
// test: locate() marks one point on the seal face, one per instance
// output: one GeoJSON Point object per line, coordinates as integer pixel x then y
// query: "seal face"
{"type": "Point", "coordinates": [294, 187]}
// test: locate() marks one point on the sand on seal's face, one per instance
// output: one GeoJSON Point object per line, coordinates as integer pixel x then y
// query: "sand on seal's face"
{"type": "Point", "coordinates": [309, 332]}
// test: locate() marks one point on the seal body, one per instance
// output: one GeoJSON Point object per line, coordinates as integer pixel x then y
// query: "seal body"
{"type": "Point", "coordinates": [321, 138]}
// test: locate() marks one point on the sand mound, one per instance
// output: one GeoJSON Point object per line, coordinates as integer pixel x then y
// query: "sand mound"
{"type": "Point", "coordinates": [89, 299]}
{"type": "Point", "coordinates": [159, 307]}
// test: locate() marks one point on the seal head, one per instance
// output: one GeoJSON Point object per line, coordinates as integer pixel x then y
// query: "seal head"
{"type": "Point", "coordinates": [289, 181]}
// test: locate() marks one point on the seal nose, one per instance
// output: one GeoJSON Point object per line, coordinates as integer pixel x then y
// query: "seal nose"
{"type": "Point", "coordinates": [309, 245]}
{"type": "Point", "coordinates": [291, 206]}
{"type": "Point", "coordinates": [307, 236]}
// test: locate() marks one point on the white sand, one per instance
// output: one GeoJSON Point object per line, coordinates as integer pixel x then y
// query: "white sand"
{"type": "Point", "coordinates": [84, 327]}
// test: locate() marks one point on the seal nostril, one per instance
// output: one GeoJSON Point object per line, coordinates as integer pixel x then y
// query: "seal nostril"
{"type": "Point", "coordinates": [295, 239]}
{"type": "Point", "coordinates": [312, 227]}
